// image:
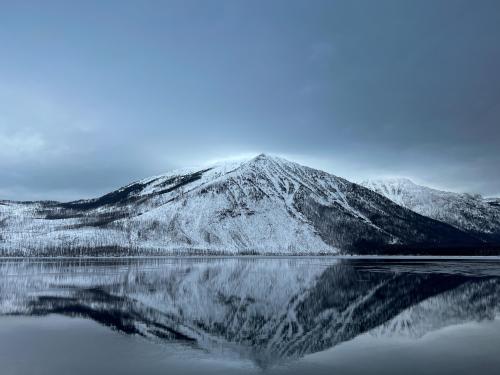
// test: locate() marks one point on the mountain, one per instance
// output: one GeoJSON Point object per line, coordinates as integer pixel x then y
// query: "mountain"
{"type": "Point", "coordinates": [466, 212]}
{"type": "Point", "coordinates": [494, 202]}
{"type": "Point", "coordinates": [265, 205]}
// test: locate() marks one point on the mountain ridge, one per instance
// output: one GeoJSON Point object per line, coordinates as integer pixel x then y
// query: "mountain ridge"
{"type": "Point", "coordinates": [262, 205]}
{"type": "Point", "coordinates": [470, 213]}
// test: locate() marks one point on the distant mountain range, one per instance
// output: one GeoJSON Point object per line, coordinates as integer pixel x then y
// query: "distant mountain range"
{"type": "Point", "coordinates": [469, 213]}
{"type": "Point", "coordinates": [495, 202]}
{"type": "Point", "coordinates": [265, 205]}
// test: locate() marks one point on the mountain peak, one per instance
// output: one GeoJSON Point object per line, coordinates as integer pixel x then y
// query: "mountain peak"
{"type": "Point", "coordinates": [262, 155]}
{"type": "Point", "coordinates": [237, 161]}
{"type": "Point", "coordinates": [266, 159]}
{"type": "Point", "coordinates": [390, 180]}
{"type": "Point", "coordinates": [265, 156]}
{"type": "Point", "coordinates": [462, 211]}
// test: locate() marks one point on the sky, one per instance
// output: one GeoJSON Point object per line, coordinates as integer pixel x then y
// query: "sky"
{"type": "Point", "coordinates": [97, 94]}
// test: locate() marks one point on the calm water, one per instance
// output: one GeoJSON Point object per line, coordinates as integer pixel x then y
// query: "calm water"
{"type": "Point", "coordinates": [249, 315]}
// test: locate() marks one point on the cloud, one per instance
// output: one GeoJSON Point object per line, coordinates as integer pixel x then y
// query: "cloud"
{"type": "Point", "coordinates": [35, 122]}
{"type": "Point", "coordinates": [356, 88]}
{"type": "Point", "coordinates": [20, 145]}
{"type": "Point", "coordinates": [322, 51]}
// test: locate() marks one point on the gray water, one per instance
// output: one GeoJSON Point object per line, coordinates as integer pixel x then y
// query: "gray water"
{"type": "Point", "coordinates": [249, 315]}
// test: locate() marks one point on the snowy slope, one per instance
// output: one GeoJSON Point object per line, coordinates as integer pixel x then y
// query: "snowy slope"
{"type": "Point", "coordinates": [494, 202]}
{"type": "Point", "coordinates": [262, 205]}
{"type": "Point", "coordinates": [463, 211]}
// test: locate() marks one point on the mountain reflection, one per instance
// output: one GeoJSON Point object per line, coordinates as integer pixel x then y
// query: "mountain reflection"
{"type": "Point", "coordinates": [268, 310]}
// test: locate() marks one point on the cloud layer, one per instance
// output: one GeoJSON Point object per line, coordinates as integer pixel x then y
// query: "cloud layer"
{"type": "Point", "coordinates": [94, 95]}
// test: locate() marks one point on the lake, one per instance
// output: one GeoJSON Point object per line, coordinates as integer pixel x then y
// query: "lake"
{"type": "Point", "coordinates": [249, 315]}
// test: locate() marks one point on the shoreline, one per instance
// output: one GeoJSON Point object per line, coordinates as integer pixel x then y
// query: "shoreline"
{"type": "Point", "coordinates": [263, 256]}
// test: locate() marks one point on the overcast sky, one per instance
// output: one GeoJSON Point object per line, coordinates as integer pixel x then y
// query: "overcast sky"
{"type": "Point", "coordinates": [96, 94]}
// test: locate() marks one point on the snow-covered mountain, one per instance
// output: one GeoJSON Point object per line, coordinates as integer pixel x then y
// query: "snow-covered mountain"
{"type": "Point", "coordinates": [262, 205]}
{"type": "Point", "coordinates": [494, 202]}
{"type": "Point", "coordinates": [464, 211]}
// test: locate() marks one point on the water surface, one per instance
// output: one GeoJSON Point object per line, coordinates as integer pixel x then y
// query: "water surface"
{"type": "Point", "coordinates": [249, 315]}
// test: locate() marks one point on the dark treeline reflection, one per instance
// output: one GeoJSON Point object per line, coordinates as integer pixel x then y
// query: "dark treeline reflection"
{"type": "Point", "coordinates": [268, 310]}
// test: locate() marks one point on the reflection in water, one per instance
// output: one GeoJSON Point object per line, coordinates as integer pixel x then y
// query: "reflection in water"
{"type": "Point", "coordinates": [268, 310]}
